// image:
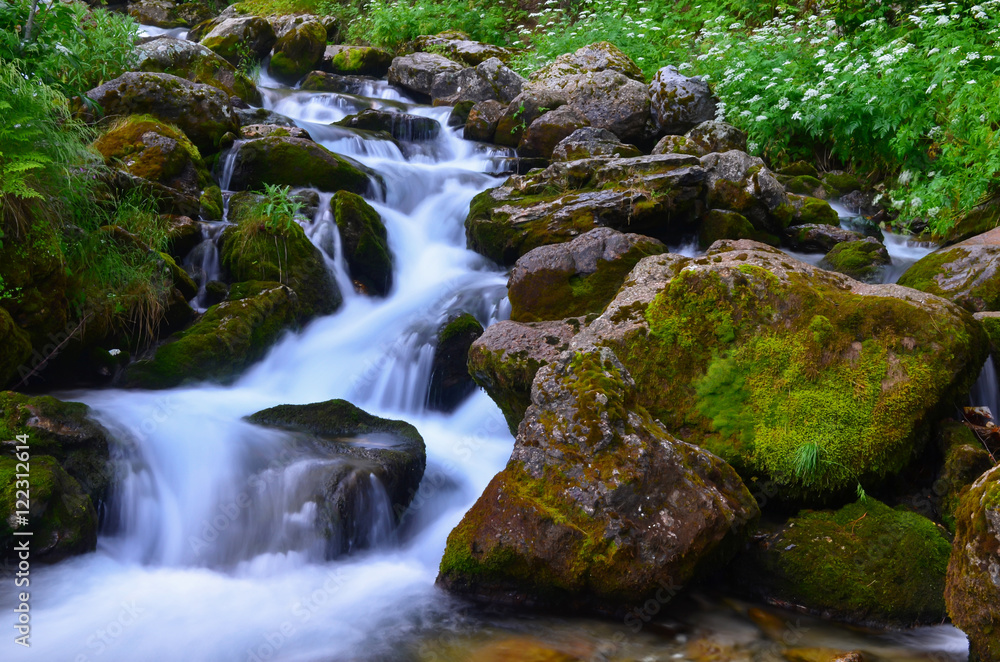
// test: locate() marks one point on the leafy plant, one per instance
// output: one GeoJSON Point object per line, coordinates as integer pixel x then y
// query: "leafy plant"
{"type": "Point", "coordinates": [273, 217]}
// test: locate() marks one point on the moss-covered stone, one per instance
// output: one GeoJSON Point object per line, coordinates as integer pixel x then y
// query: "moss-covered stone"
{"type": "Point", "coordinates": [450, 379]}
{"type": "Point", "coordinates": [981, 218]}
{"type": "Point", "coordinates": [862, 259]}
{"type": "Point", "coordinates": [230, 37]}
{"type": "Point", "coordinates": [364, 241]}
{"type": "Point", "coordinates": [841, 183]}
{"type": "Point", "coordinates": [965, 460]}
{"type": "Point", "coordinates": [197, 64]}
{"type": "Point", "coordinates": [598, 507]}
{"type": "Point", "coordinates": [299, 163]}
{"type": "Point", "coordinates": [804, 185]}
{"type": "Point", "coordinates": [226, 339]}
{"type": "Point", "coordinates": [298, 51]}
{"type": "Point", "coordinates": [721, 224]}
{"type": "Point", "coordinates": [973, 590]}
{"type": "Point", "coordinates": [357, 60]}
{"type": "Point", "coordinates": [211, 204]}
{"type": "Point", "coordinates": [250, 251]}
{"type": "Point", "coordinates": [800, 169]}
{"type": "Point", "coordinates": [789, 372]}
{"type": "Point", "coordinates": [865, 563]}
{"type": "Point", "coordinates": [810, 210]}
{"type": "Point", "coordinates": [967, 273]}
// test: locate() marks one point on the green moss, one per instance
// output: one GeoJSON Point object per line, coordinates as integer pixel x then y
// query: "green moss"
{"type": "Point", "coordinates": [361, 61]}
{"type": "Point", "coordinates": [719, 224]}
{"type": "Point", "coordinates": [971, 283]}
{"type": "Point", "coordinates": [800, 169]}
{"type": "Point", "coordinates": [298, 51]}
{"type": "Point", "coordinates": [803, 185]}
{"type": "Point", "coordinates": [460, 326]}
{"type": "Point", "coordinates": [814, 210]}
{"type": "Point", "coordinates": [296, 162]}
{"type": "Point", "coordinates": [128, 144]}
{"type": "Point", "coordinates": [866, 563]}
{"type": "Point", "coordinates": [858, 259]}
{"type": "Point", "coordinates": [839, 184]}
{"type": "Point", "coordinates": [965, 460]}
{"type": "Point", "coordinates": [507, 376]}
{"type": "Point", "coordinates": [924, 273]}
{"type": "Point", "coordinates": [365, 241]}
{"type": "Point", "coordinates": [211, 203]}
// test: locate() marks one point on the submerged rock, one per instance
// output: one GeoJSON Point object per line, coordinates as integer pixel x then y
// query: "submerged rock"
{"type": "Point", "coordinates": [197, 64]}
{"type": "Point", "coordinates": [390, 452]}
{"type": "Point", "coordinates": [967, 273]}
{"type": "Point", "coordinates": [973, 589]}
{"type": "Point", "coordinates": [576, 278]}
{"type": "Point", "coordinates": [70, 469]}
{"type": "Point", "coordinates": [598, 507]}
{"type": "Point", "coordinates": [450, 379]}
{"type": "Point", "coordinates": [865, 563]}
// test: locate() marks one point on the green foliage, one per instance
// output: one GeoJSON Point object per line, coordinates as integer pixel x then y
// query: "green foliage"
{"type": "Point", "coordinates": [249, 64]}
{"type": "Point", "coordinates": [73, 48]}
{"type": "Point", "coordinates": [270, 218]}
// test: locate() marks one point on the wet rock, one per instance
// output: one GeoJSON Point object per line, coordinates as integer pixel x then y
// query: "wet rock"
{"type": "Point", "coordinates": [296, 162]}
{"type": "Point", "coordinates": [602, 56]}
{"type": "Point", "coordinates": [345, 60]}
{"type": "Point", "coordinates": [71, 472]}
{"type": "Point", "coordinates": [588, 142]}
{"type": "Point", "coordinates": [481, 124]}
{"type": "Point", "coordinates": [392, 452]}
{"type": "Point", "coordinates": [364, 242]}
{"type": "Point", "coordinates": [865, 563]}
{"type": "Point", "coordinates": [575, 278]}
{"type": "Point", "coordinates": [973, 586]}
{"type": "Point", "coordinates": [549, 130]}
{"type": "Point", "coordinates": [598, 507]}
{"type": "Point", "coordinates": [197, 64]}
{"type": "Point", "coordinates": [967, 273]}
{"type": "Point", "coordinates": [862, 259]}
{"type": "Point", "coordinates": [679, 103]}
{"type": "Point", "coordinates": [202, 112]}
{"type": "Point", "coordinates": [655, 195]}
{"type": "Point", "coordinates": [248, 116]}
{"type": "Point", "coordinates": [811, 211]}
{"type": "Point", "coordinates": [457, 46]}
{"type": "Point", "coordinates": [756, 356]}
{"type": "Point", "coordinates": [965, 460]}
{"type": "Point", "coordinates": [459, 114]}
{"type": "Point", "coordinates": [822, 655]}
{"type": "Point", "coordinates": [401, 126]}
{"type": "Point", "coordinates": [820, 237]}
{"type": "Point", "coordinates": [723, 224]}
{"type": "Point", "coordinates": [228, 338]}
{"type": "Point", "coordinates": [228, 37]}
{"type": "Point", "coordinates": [739, 182]}
{"type": "Point", "coordinates": [489, 80]}
{"type": "Point", "coordinates": [298, 50]}
{"type": "Point", "coordinates": [506, 357]}
{"type": "Point", "coordinates": [319, 81]}
{"type": "Point", "coordinates": [167, 14]}
{"type": "Point", "coordinates": [427, 74]}
{"type": "Point", "coordinates": [252, 131]}
{"type": "Point", "coordinates": [450, 379]}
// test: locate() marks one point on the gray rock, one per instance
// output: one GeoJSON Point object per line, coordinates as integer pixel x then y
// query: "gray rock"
{"type": "Point", "coordinates": [348, 60]}
{"type": "Point", "coordinates": [820, 237]}
{"type": "Point", "coordinates": [402, 126]}
{"type": "Point", "coordinates": [428, 74]}
{"type": "Point", "coordinates": [232, 34]}
{"type": "Point", "coordinates": [197, 64]}
{"type": "Point", "coordinates": [489, 80]}
{"type": "Point", "coordinates": [741, 183]}
{"type": "Point", "coordinates": [457, 46]}
{"type": "Point", "coordinates": [967, 273]}
{"type": "Point", "coordinates": [167, 14]}
{"type": "Point", "coordinates": [680, 103]}
{"type": "Point", "coordinates": [320, 81]}
{"type": "Point", "coordinates": [482, 122]}
{"type": "Point", "coordinates": [602, 56]}
{"type": "Point", "coordinates": [549, 130]}
{"type": "Point", "coordinates": [589, 142]}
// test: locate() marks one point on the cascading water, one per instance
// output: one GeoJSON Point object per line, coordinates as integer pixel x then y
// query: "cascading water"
{"type": "Point", "coordinates": [209, 549]}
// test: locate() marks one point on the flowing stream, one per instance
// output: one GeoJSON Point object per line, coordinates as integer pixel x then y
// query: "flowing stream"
{"type": "Point", "coordinates": [209, 550]}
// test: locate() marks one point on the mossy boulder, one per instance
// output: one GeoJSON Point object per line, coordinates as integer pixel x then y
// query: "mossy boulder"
{"type": "Point", "coordinates": [450, 379]}
{"type": "Point", "coordinates": [197, 64]}
{"type": "Point", "coordinates": [863, 259]}
{"type": "Point", "coordinates": [841, 183]}
{"type": "Point", "coordinates": [167, 14]}
{"type": "Point", "coordinates": [459, 47]}
{"type": "Point", "coordinates": [202, 112]}
{"type": "Point", "coordinates": [321, 81]}
{"type": "Point", "coordinates": [598, 507]}
{"type": "Point", "coordinates": [967, 273]}
{"type": "Point", "coordinates": [819, 237]}
{"type": "Point", "coordinates": [346, 60]}
{"type": "Point", "coordinates": [225, 340]}
{"type": "Point", "coordinates": [660, 196]}
{"type": "Point", "coordinates": [973, 587]}
{"type": "Point", "coordinates": [249, 251]}
{"type": "Point", "coordinates": [804, 185]}
{"type": "Point", "coordinates": [588, 142]}
{"type": "Point", "coordinates": [366, 447]}
{"type": "Point", "coordinates": [812, 211]}
{"type": "Point", "coordinates": [680, 103]}
{"type": "Point", "coordinates": [576, 278]}
{"type": "Point", "coordinates": [593, 58]}
{"type": "Point", "coordinates": [156, 152]}
{"type": "Point", "coordinates": [17, 349]}
{"type": "Point", "coordinates": [865, 563]}
{"type": "Point", "coordinates": [980, 219]}
{"type": "Point", "coordinates": [800, 169]}
{"type": "Point", "coordinates": [481, 124]}
{"type": "Point", "coordinates": [401, 126]}
{"type": "Point", "coordinates": [549, 129]}
{"type": "Point", "coordinates": [739, 182]}
{"type": "Point", "coordinates": [296, 162]}
{"type": "Point", "coordinates": [965, 460]}
{"type": "Point", "coordinates": [298, 50]}
{"type": "Point", "coordinates": [364, 241]}
{"type": "Point", "coordinates": [426, 74]}
{"type": "Point", "coordinates": [776, 365]}
{"type": "Point", "coordinates": [70, 473]}
{"type": "Point", "coordinates": [232, 35]}
{"type": "Point", "coordinates": [991, 323]}
{"type": "Point", "coordinates": [714, 136]}
{"type": "Point", "coordinates": [722, 224]}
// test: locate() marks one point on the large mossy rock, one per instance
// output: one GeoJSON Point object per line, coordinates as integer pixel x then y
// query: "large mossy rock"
{"type": "Point", "coordinates": [230, 36]}
{"type": "Point", "coordinates": [967, 273]}
{"type": "Point", "coordinates": [775, 365]}
{"type": "Point", "coordinates": [364, 241]}
{"type": "Point", "coordinates": [459, 47]}
{"type": "Point", "coordinates": [345, 60]}
{"type": "Point", "coordinates": [819, 237]}
{"type": "Point", "coordinates": [576, 278]}
{"type": "Point", "coordinates": [588, 142]}
{"type": "Point", "coordinates": [296, 162]}
{"type": "Point", "coordinates": [598, 507]}
{"type": "Point", "coordinates": [249, 252]}
{"type": "Point", "coordinates": [742, 183]}
{"type": "Point", "coordinates": [705, 138]}
{"type": "Point", "coordinates": [600, 56]}
{"type": "Point", "coordinates": [70, 473]}
{"type": "Point", "coordinates": [159, 153]}
{"type": "Point", "coordinates": [490, 80]}
{"type": "Point", "coordinates": [973, 589]}
{"type": "Point", "coordinates": [680, 103]}
{"type": "Point", "coordinates": [549, 129]}
{"type": "Point", "coordinates": [505, 359]}
{"type": "Point", "coordinates": [202, 112]}
{"type": "Point", "coordinates": [862, 259]}
{"type": "Point", "coordinates": [298, 50]}
{"type": "Point", "coordinates": [194, 62]}
{"type": "Point", "coordinates": [427, 74]}
{"type": "Point", "coordinates": [481, 123]}
{"type": "Point", "coordinates": [660, 196]}
{"type": "Point", "coordinates": [367, 447]}
{"type": "Point", "coordinates": [167, 14]}
{"type": "Point", "coordinates": [229, 337]}
{"type": "Point", "coordinates": [865, 563]}
{"type": "Point", "coordinates": [724, 224]}
{"type": "Point", "coordinates": [450, 379]}
{"type": "Point", "coordinates": [965, 460]}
